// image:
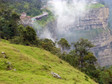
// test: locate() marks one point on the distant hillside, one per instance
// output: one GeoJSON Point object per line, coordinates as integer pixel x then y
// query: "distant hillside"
{"type": "Point", "coordinates": [31, 7]}
{"type": "Point", "coordinates": [30, 65]}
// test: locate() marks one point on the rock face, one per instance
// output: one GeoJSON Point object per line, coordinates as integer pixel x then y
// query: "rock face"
{"type": "Point", "coordinates": [95, 18]}
{"type": "Point", "coordinates": [96, 22]}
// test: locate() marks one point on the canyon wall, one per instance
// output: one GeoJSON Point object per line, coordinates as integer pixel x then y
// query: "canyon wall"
{"type": "Point", "coordinates": [96, 20]}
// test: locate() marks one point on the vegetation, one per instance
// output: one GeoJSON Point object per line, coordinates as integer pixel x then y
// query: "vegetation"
{"type": "Point", "coordinates": [63, 43]}
{"type": "Point", "coordinates": [93, 6]}
{"type": "Point", "coordinates": [106, 76]}
{"type": "Point", "coordinates": [30, 65]}
{"type": "Point", "coordinates": [49, 45]}
{"type": "Point", "coordinates": [26, 64]}
{"type": "Point", "coordinates": [8, 23]}
{"type": "Point", "coordinates": [82, 58]}
{"type": "Point", "coordinates": [31, 7]}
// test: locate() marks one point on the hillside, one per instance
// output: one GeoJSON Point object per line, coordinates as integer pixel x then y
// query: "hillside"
{"type": "Point", "coordinates": [30, 65]}
{"type": "Point", "coordinates": [31, 7]}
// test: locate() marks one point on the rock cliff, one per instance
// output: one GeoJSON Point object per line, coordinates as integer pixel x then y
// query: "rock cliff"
{"type": "Point", "coordinates": [95, 18]}
{"type": "Point", "coordinates": [95, 23]}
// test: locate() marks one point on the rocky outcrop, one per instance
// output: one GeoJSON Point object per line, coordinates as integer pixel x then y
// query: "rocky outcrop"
{"type": "Point", "coordinates": [55, 75]}
{"type": "Point", "coordinates": [95, 18]}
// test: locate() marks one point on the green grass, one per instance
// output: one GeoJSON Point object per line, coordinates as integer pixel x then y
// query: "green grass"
{"type": "Point", "coordinates": [34, 66]}
{"type": "Point", "coordinates": [94, 6]}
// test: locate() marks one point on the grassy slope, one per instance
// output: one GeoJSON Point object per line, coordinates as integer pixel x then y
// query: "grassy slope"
{"type": "Point", "coordinates": [34, 66]}
{"type": "Point", "coordinates": [94, 6]}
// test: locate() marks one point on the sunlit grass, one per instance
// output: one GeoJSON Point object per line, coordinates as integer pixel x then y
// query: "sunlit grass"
{"type": "Point", "coordinates": [34, 66]}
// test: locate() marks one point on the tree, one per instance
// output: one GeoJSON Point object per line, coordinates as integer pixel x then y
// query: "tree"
{"type": "Point", "coordinates": [63, 43]}
{"type": "Point", "coordinates": [106, 76]}
{"type": "Point", "coordinates": [82, 58]}
{"type": "Point", "coordinates": [82, 49]}
{"type": "Point", "coordinates": [71, 58]}
{"type": "Point", "coordinates": [27, 35]}
{"type": "Point", "coordinates": [49, 45]}
{"type": "Point", "coordinates": [8, 23]}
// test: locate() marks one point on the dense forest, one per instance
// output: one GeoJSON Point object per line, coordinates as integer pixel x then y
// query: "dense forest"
{"type": "Point", "coordinates": [79, 57]}
{"type": "Point", "coordinates": [31, 7]}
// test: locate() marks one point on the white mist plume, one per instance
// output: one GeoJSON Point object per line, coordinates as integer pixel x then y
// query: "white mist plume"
{"type": "Point", "coordinates": [46, 34]}
{"type": "Point", "coordinates": [67, 11]}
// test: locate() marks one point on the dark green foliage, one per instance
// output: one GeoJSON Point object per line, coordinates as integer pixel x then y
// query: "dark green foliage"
{"type": "Point", "coordinates": [105, 76]}
{"type": "Point", "coordinates": [71, 58]}
{"type": "Point", "coordinates": [82, 49]}
{"type": "Point", "coordinates": [8, 23]}
{"type": "Point", "coordinates": [31, 7]}
{"type": "Point", "coordinates": [16, 40]}
{"type": "Point", "coordinates": [63, 43]}
{"type": "Point", "coordinates": [49, 45]}
{"type": "Point", "coordinates": [27, 36]}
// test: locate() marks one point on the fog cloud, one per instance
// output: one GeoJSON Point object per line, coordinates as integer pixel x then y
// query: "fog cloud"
{"type": "Point", "coordinates": [67, 13]}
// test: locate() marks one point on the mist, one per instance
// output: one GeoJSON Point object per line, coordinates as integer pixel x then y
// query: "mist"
{"type": "Point", "coordinates": [66, 13]}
